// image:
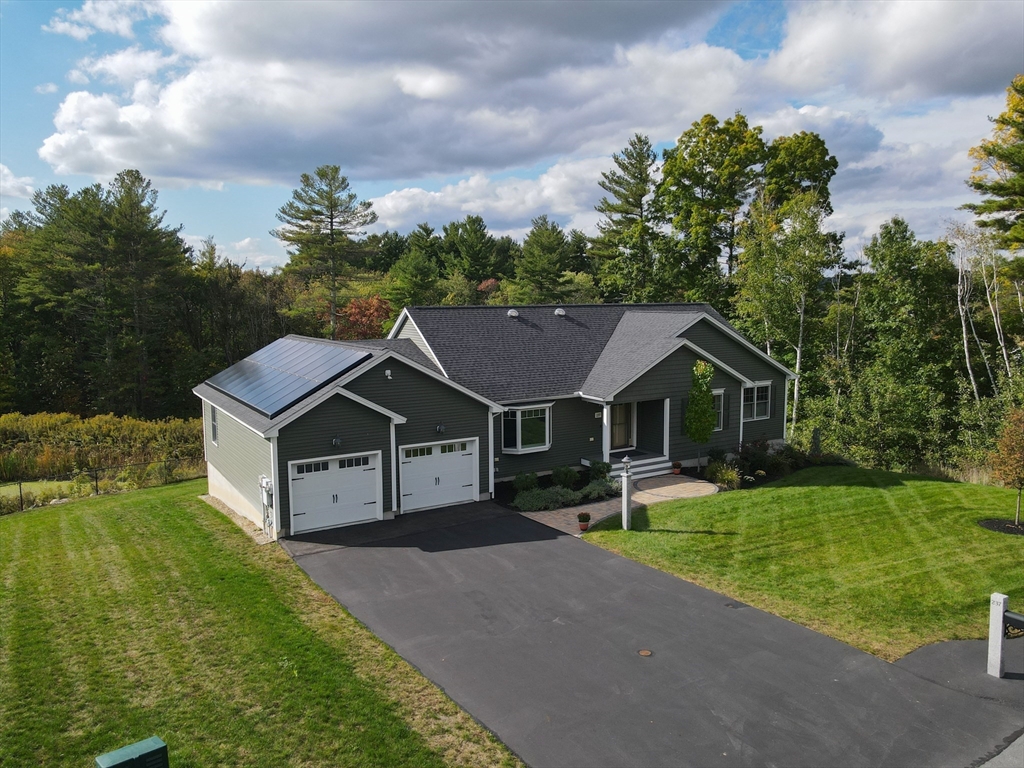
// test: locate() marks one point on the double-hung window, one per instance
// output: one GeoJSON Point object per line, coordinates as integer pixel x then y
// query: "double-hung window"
{"type": "Point", "coordinates": [526, 428]}
{"type": "Point", "coordinates": [757, 401]}
{"type": "Point", "coordinates": [719, 399]}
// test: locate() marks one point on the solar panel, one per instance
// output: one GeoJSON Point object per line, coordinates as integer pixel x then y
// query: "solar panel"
{"type": "Point", "coordinates": [281, 374]}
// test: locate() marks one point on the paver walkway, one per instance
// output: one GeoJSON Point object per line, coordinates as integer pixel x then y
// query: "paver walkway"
{"type": "Point", "coordinates": [648, 490]}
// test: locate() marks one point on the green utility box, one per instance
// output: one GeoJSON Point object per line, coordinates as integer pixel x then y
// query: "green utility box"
{"type": "Point", "coordinates": [151, 753]}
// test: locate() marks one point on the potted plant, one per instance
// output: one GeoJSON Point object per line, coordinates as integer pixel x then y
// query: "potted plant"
{"type": "Point", "coordinates": [584, 520]}
{"type": "Point", "coordinates": [677, 467]}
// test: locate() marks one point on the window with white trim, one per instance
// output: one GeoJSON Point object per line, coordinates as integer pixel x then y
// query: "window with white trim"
{"type": "Point", "coordinates": [526, 429]}
{"type": "Point", "coordinates": [719, 399]}
{"type": "Point", "coordinates": [213, 424]}
{"type": "Point", "coordinates": [757, 401]}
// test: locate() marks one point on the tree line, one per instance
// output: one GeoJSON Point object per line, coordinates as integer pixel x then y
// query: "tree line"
{"type": "Point", "coordinates": [908, 352]}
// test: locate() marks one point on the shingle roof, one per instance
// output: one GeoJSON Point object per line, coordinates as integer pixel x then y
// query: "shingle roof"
{"type": "Point", "coordinates": [540, 354]}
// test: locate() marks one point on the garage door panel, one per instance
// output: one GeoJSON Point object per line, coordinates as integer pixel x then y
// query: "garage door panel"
{"type": "Point", "coordinates": [333, 492]}
{"type": "Point", "coordinates": [438, 474]}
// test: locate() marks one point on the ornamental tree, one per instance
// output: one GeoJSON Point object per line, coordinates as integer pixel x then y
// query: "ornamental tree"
{"type": "Point", "coordinates": [700, 410]}
{"type": "Point", "coordinates": [1008, 460]}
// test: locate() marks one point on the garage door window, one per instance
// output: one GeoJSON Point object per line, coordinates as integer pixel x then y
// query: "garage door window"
{"type": "Point", "coordinates": [453, 447]}
{"type": "Point", "coordinates": [316, 466]}
{"type": "Point", "coordinates": [411, 453]}
{"type": "Point", "coordinates": [358, 461]}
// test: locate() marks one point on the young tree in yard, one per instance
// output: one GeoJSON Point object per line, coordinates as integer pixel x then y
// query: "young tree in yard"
{"type": "Point", "coordinates": [700, 407]}
{"type": "Point", "coordinates": [319, 223]}
{"type": "Point", "coordinates": [1008, 460]}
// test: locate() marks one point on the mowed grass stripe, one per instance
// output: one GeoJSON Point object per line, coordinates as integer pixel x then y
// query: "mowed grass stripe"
{"type": "Point", "coordinates": [883, 561]}
{"type": "Point", "coordinates": [151, 613]}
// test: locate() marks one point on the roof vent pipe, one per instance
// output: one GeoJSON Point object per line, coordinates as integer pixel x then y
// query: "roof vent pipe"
{"type": "Point", "coordinates": [513, 313]}
{"type": "Point", "coordinates": [559, 312]}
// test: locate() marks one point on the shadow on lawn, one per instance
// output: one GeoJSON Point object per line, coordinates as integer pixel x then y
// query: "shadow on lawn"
{"type": "Point", "coordinates": [691, 533]}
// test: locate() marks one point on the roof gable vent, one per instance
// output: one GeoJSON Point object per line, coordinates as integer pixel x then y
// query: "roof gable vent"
{"type": "Point", "coordinates": [513, 313]}
{"type": "Point", "coordinates": [559, 312]}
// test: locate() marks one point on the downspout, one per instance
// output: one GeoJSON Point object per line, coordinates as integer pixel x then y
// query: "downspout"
{"type": "Point", "coordinates": [606, 434]}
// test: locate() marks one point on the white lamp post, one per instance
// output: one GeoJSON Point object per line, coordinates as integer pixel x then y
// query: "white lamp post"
{"type": "Point", "coordinates": [627, 488]}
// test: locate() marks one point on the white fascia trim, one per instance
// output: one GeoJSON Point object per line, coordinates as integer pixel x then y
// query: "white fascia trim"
{"type": "Point", "coordinates": [277, 488]}
{"type": "Point", "coordinates": [396, 418]}
{"type": "Point", "coordinates": [590, 398]}
{"type": "Point", "coordinates": [528, 404]}
{"type": "Point", "coordinates": [234, 418]}
{"type": "Point", "coordinates": [717, 363]}
{"type": "Point", "coordinates": [334, 389]}
{"type": "Point", "coordinates": [404, 317]}
{"type": "Point", "coordinates": [738, 337]}
{"type": "Point", "coordinates": [494, 407]}
{"type": "Point", "coordinates": [394, 476]}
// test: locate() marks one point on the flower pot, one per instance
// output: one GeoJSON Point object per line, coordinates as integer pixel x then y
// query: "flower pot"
{"type": "Point", "coordinates": [584, 526]}
{"type": "Point", "coordinates": [676, 471]}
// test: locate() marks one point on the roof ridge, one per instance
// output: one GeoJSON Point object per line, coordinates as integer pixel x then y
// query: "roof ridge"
{"type": "Point", "coordinates": [544, 306]}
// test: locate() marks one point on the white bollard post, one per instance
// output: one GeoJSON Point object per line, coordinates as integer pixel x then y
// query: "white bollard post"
{"type": "Point", "coordinates": [627, 494]}
{"type": "Point", "coordinates": [997, 608]}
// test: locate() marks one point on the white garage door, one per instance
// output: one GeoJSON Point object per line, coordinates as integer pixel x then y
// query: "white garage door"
{"type": "Point", "coordinates": [439, 474]}
{"type": "Point", "coordinates": [326, 493]}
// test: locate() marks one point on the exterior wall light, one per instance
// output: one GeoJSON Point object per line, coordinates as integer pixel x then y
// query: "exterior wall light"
{"type": "Point", "coordinates": [440, 429]}
{"type": "Point", "coordinates": [336, 442]}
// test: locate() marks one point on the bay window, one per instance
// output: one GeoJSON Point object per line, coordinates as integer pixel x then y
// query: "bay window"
{"type": "Point", "coordinates": [526, 428]}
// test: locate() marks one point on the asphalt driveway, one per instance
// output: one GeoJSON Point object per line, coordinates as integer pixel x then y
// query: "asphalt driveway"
{"type": "Point", "coordinates": [537, 635]}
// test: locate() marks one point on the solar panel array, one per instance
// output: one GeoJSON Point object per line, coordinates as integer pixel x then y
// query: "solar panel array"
{"type": "Point", "coordinates": [281, 374]}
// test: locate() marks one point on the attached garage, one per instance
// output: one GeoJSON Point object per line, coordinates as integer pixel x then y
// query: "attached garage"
{"type": "Point", "coordinates": [438, 474]}
{"type": "Point", "coordinates": [335, 490]}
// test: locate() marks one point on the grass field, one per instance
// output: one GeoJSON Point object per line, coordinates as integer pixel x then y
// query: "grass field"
{"type": "Point", "coordinates": [149, 613]}
{"type": "Point", "coordinates": [882, 561]}
{"type": "Point", "coordinates": [36, 487]}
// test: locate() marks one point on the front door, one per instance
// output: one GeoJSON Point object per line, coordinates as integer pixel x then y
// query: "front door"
{"type": "Point", "coordinates": [622, 426]}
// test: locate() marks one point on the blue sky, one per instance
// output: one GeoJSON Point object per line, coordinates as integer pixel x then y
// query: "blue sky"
{"type": "Point", "coordinates": [436, 110]}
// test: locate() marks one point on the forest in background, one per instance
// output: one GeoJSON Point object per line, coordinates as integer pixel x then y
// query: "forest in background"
{"type": "Point", "coordinates": [910, 354]}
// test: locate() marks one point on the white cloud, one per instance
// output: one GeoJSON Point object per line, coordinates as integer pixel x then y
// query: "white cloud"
{"type": "Point", "coordinates": [14, 186]}
{"type": "Point", "coordinates": [46, 88]}
{"type": "Point", "coordinates": [126, 66]}
{"type": "Point", "coordinates": [116, 17]}
{"type": "Point", "coordinates": [901, 49]}
{"type": "Point", "coordinates": [481, 92]}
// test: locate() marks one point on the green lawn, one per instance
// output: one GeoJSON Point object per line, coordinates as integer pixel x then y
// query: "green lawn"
{"type": "Point", "coordinates": [882, 561]}
{"type": "Point", "coordinates": [149, 613]}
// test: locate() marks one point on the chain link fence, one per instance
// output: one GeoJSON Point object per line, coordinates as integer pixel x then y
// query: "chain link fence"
{"type": "Point", "coordinates": [18, 495]}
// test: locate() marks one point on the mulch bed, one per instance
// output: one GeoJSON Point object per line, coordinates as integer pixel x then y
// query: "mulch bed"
{"type": "Point", "coordinates": [1002, 526]}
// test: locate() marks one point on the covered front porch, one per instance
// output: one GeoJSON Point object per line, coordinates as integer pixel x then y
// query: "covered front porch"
{"type": "Point", "coordinates": [639, 430]}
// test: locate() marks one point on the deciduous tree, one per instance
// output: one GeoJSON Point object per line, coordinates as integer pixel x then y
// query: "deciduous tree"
{"type": "Point", "coordinates": [1008, 460]}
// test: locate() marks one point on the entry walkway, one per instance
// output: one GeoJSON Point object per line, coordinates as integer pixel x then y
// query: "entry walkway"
{"type": "Point", "coordinates": [649, 490]}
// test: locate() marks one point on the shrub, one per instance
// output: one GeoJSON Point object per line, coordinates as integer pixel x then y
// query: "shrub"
{"type": "Point", "coordinates": [716, 454]}
{"type": "Point", "coordinates": [722, 474]}
{"type": "Point", "coordinates": [753, 456]}
{"type": "Point", "coordinates": [525, 481]}
{"type": "Point", "coordinates": [598, 489]}
{"type": "Point", "coordinates": [538, 499]}
{"type": "Point", "coordinates": [564, 476]}
{"type": "Point", "coordinates": [599, 470]}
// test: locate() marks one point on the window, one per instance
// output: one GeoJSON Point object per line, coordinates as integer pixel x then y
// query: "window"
{"type": "Point", "coordinates": [453, 447]}
{"type": "Point", "coordinates": [411, 453]}
{"type": "Point", "coordinates": [316, 466]}
{"type": "Point", "coordinates": [358, 461]}
{"type": "Point", "coordinates": [756, 401]}
{"type": "Point", "coordinates": [213, 425]}
{"type": "Point", "coordinates": [526, 429]}
{"type": "Point", "coordinates": [719, 396]}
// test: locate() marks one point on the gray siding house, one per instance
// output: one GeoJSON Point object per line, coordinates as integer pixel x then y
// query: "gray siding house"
{"type": "Point", "coordinates": [308, 434]}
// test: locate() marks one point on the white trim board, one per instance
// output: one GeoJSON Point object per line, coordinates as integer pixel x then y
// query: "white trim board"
{"type": "Point", "coordinates": [404, 317]}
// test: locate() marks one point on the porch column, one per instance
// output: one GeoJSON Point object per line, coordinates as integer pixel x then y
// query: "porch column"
{"type": "Point", "coordinates": [606, 433]}
{"type": "Point", "coordinates": [668, 411]}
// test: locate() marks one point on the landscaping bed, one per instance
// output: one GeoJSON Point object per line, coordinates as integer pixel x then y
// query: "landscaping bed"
{"type": "Point", "coordinates": [564, 487]}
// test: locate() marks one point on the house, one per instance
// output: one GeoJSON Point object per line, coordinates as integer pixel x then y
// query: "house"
{"type": "Point", "coordinates": [308, 434]}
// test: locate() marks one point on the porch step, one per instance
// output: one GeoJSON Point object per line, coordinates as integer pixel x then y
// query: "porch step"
{"type": "Point", "coordinates": [647, 469]}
